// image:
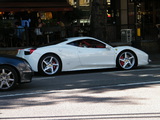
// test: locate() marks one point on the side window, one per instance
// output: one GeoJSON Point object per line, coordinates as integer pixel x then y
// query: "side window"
{"type": "Point", "coordinates": [84, 43]}
{"type": "Point", "coordinates": [80, 43]}
{"type": "Point", "coordinates": [74, 43]}
{"type": "Point", "coordinates": [91, 44]}
{"type": "Point", "coordinates": [97, 44]}
{"type": "Point", "coordinates": [87, 43]}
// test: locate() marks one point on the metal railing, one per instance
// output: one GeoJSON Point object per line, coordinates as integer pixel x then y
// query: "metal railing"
{"type": "Point", "coordinates": [8, 37]}
{"type": "Point", "coordinates": [20, 37]}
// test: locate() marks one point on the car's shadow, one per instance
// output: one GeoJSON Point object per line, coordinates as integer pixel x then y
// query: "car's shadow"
{"type": "Point", "coordinates": [61, 80]}
{"type": "Point", "coordinates": [36, 74]}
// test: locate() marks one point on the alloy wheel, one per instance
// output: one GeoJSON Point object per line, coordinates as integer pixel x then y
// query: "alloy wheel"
{"type": "Point", "coordinates": [126, 60]}
{"type": "Point", "coordinates": [50, 65]}
{"type": "Point", "coordinates": [8, 78]}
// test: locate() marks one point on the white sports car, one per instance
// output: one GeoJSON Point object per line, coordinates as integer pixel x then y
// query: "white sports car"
{"type": "Point", "coordinates": [81, 53]}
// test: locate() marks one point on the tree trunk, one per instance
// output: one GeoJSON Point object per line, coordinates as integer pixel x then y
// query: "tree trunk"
{"type": "Point", "coordinates": [99, 19]}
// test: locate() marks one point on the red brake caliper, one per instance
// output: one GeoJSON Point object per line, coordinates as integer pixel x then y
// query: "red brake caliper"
{"type": "Point", "coordinates": [54, 67]}
{"type": "Point", "coordinates": [121, 62]}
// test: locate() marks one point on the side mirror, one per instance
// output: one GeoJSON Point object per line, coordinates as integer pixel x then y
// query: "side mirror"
{"type": "Point", "coordinates": [108, 47]}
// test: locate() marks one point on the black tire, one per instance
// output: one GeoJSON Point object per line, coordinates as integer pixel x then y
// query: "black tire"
{"type": "Point", "coordinates": [8, 78]}
{"type": "Point", "coordinates": [49, 65]}
{"type": "Point", "coordinates": [126, 60]}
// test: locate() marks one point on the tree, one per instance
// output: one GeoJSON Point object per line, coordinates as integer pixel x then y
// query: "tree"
{"type": "Point", "coordinates": [99, 19]}
{"type": "Point", "coordinates": [76, 14]}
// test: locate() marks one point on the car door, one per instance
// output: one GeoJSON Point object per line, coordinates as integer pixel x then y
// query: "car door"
{"type": "Point", "coordinates": [95, 54]}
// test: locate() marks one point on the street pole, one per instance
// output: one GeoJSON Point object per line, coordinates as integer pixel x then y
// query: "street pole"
{"type": "Point", "coordinates": [137, 43]}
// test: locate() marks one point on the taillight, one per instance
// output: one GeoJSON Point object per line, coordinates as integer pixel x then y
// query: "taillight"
{"type": "Point", "coordinates": [29, 52]}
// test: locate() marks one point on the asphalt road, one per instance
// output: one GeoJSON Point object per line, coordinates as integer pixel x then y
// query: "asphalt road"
{"type": "Point", "coordinates": [97, 94]}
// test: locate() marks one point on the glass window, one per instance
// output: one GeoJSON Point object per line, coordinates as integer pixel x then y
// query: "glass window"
{"type": "Point", "coordinates": [88, 43]}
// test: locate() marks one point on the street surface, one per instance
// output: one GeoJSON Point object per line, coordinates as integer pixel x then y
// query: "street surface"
{"type": "Point", "coordinates": [108, 94]}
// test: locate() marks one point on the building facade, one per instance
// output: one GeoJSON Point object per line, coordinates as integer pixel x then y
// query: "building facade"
{"type": "Point", "coordinates": [27, 13]}
{"type": "Point", "coordinates": [132, 22]}
{"type": "Point", "coordinates": [135, 22]}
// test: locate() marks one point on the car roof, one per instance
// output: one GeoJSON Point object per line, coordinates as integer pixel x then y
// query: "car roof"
{"type": "Point", "coordinates": [78, 38]}
{"type": "Point", "coordinates": [71, 39]}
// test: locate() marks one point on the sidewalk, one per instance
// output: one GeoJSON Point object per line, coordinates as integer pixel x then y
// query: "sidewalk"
{"type": "Point", "coordinates": [155, 58]}
{"type": "Point", "coordinates": [9, 51]}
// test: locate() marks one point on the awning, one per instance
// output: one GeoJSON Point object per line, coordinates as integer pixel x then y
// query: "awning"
{"type": "Point", "coordinates": [61, 5]}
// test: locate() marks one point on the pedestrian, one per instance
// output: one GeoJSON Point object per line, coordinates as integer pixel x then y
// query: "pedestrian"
{"type": "Point", "coordinates": [38, 31]}
{"type": "Point", "coordinates": [39, 25]}
{"type": "Point", "coordinates": [20, 34]}
{"type": "Point", "coordinates": [19, 30]}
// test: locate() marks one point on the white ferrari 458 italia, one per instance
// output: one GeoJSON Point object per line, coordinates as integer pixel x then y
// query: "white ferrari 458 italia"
{"type": "Point", "coordinates": [81, 53]}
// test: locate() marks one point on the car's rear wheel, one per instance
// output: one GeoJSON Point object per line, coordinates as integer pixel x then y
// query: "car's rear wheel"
{"type": "Point", "coordinates": [49, 65]}
{"type": "Point", "coordinates": [126, 60]}
{"type": "Point", "coordinates": [8, 78]}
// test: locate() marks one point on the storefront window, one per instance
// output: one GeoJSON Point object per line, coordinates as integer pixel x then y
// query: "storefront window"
{"type": "Point", "coordinates": [45, 15]}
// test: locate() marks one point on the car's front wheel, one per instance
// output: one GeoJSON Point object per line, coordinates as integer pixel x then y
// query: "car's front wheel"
{"type": "Point", "coordinates": [49, 65]}
{"type": "Point", "coordinates": [126, 60]}
{"type": "Point", "coordinates": [8, 78]}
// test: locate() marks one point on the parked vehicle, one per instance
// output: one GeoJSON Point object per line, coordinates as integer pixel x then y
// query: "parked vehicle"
{"type": "Point", "coordinates": [14, 71]}
{"type": "Point", "coordinates": [81, 53]}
